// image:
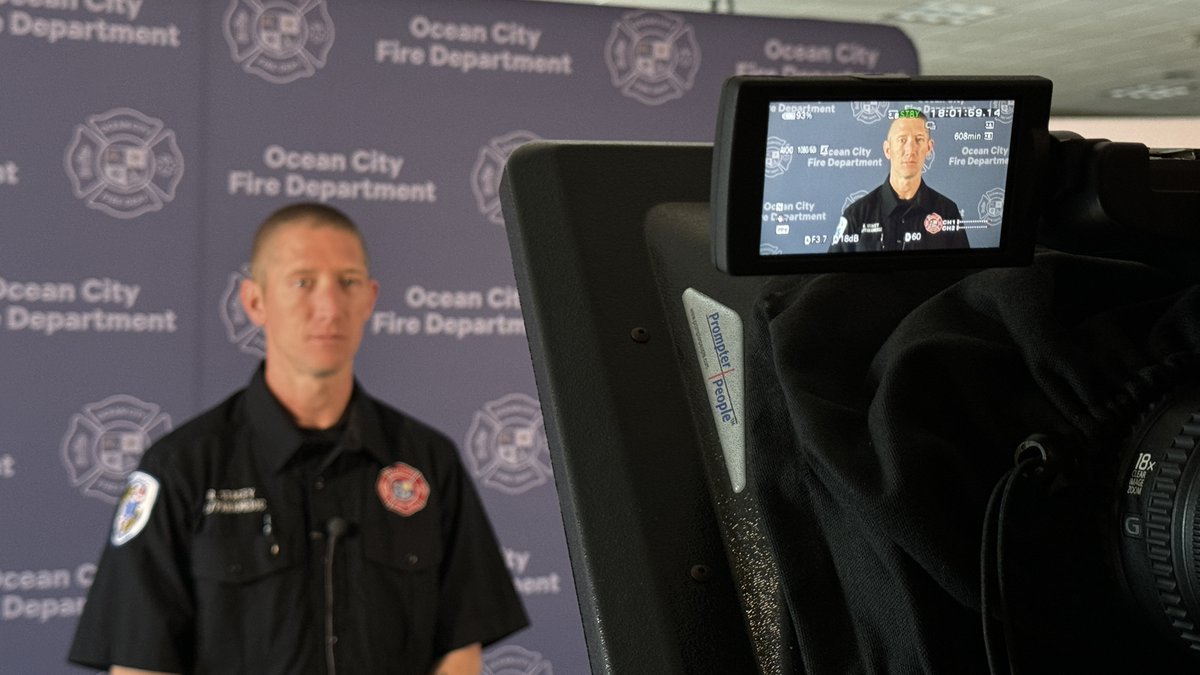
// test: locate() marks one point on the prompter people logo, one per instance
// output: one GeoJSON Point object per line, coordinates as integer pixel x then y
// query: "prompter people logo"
{"type": "Point", "coordinates": [488, 169]}
{"type": "Point", "coordinates": [515, 660]}
{"type": "Point", "coordinates": [507, 445]}
{"type": "Point", "coordinates": [239, 329]}
{"type": "Point", "coordinates": [279, 40]}
{"type": "Point", "coordinates": [653, 57]}
{"type": "Point", "coordinates": [105, 441]}
{"type": "Point", "coordinates": [124, 163]}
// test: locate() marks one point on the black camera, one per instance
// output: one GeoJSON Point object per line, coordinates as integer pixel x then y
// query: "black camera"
{"type": "Point", "coordinates": [815, 472]}
{"type": "Point", "coordinates": [1085, 541]}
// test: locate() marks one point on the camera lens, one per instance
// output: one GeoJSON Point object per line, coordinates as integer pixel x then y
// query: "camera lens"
{"type": "Point", "coordinates": [1158, 520]}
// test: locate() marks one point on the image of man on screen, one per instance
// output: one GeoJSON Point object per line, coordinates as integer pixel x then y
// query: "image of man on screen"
{"type": "Point", "coordinates": [903, 214]}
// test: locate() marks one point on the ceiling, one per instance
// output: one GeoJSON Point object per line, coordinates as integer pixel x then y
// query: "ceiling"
{"type": "Point", "coordinates": [1106, 57]}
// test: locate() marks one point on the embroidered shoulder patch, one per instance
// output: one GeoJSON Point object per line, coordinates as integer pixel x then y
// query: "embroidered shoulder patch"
{"type": "Point", "coordinates": [402, 489]}
{"type": "Point", "coordinates": [133, 511]}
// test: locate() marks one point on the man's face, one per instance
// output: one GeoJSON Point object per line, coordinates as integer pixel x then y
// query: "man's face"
{"type": "Point", "coordinates": [312, 295]}
{"type": "Point", "coordinates": [907, 145]}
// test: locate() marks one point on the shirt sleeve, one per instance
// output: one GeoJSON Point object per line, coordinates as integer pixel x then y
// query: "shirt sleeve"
{"type": "Point", "coordinates": [839, 244]}
{"type": "Point", "coordinates": [477, 600]}
{"type": "Point", "coordinates": [139, 607]}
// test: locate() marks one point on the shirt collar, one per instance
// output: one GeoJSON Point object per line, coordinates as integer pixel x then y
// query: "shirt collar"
{"type": "Point", "coordinates": [275, 436]}
{"type": "Point", "coordinates": [890, 200]}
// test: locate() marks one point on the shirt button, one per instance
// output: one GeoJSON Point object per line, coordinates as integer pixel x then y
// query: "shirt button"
{"type": "Point", "coordinates": [412, 558]}
{"type": "Point", "coordinates": [319, 484]}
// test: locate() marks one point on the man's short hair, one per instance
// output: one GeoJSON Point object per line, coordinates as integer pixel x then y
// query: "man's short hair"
{"type": "Point", "coordinates": [909, 114]}
{"type": "Point", "coordinates": [320, 215]}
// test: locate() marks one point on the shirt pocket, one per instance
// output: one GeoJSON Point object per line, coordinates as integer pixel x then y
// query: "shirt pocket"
{"type": "Point", "coordinates": [238, 552]}
{"type": "Point", "coordinates": [403, 545]}
{"type": "Point", "coordinates": [404, 555]}
{"type": "Point", "coordinates": [248, 619]}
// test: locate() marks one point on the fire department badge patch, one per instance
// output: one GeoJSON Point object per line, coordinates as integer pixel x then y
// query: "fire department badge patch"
{"type": "Point", "coordinates": [133, 511]}
{"type": "Point", "coordinates": [402, 489]}
{"type": "Point", "coordinates": [933, 223]}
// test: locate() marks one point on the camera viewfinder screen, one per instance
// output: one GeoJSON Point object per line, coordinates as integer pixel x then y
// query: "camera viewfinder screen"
{"type": "Point", "coordinates": [884, 176]}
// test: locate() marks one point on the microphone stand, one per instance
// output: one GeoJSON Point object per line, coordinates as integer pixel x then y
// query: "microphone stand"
{"type": "Point", "coordinates": [335, 528]}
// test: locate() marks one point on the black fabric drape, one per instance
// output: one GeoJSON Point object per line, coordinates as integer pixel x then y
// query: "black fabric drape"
{"type": "Point", "coordinates": [884, 409]}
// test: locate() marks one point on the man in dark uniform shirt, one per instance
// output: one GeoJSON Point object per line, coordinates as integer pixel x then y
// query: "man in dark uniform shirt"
{"type": "Point", "coordinates": [903, 214]}
{"type": "Point", "coordinates": [301, 526]}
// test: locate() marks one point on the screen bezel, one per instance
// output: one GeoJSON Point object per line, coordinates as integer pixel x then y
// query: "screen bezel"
{"type": "Point", "coordinates": [739, 157]}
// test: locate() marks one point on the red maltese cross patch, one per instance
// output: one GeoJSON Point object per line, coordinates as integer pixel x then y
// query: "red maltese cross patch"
{"type": "Point", "coordinates": [402, 489]}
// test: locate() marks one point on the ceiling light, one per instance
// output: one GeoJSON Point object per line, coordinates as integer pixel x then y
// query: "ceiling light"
{"type": "Point", "coordinates": [1151, 92]}
{"type": "Point", "coordinates": [944, 13]}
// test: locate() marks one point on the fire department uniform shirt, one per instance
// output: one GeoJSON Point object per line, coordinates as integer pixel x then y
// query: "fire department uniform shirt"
{"type": "Point", "coordinates": [216, 562]}
{"type": "Point", "coordinates": [881, 221]}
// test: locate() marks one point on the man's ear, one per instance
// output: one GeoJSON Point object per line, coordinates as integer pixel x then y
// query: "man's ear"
{"type": "Point", "coordinates": [250, 293]}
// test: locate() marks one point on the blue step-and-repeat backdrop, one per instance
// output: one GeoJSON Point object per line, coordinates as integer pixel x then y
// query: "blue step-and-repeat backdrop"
{"type": "Point", "coordinates": [141, 141]}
